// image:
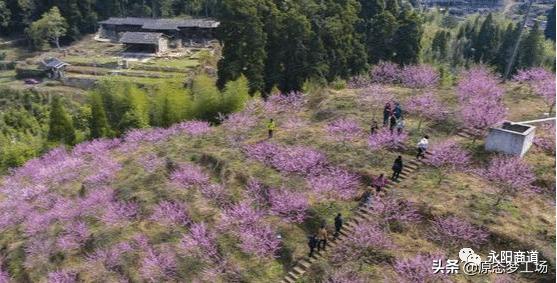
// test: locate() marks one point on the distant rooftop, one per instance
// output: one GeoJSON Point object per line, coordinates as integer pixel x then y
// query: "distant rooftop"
{"type": "Point", "coordinates": [141, 37]}
{"type": "Point", "coordinates": [161, 24]}
{"type": "Point", "coordinates": [54, 63]}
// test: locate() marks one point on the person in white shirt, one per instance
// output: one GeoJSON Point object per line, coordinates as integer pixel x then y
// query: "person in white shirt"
{"type": "Point", "coordinates": [422, 147]}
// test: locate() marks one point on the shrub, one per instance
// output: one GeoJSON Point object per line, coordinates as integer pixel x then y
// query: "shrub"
{"type": "Point", "coordinates": [456, 232]}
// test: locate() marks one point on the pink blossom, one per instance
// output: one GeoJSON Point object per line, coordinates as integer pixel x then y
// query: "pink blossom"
{"type": "Point", "coordinates": [457, 232]}
{"type": "Point", "coordinates": [479, 82]}
{"type": "Point", "coordinates": [257, 192]}
{"type": "Point", "coordinates": [359, 81]}
{"type": "Point", "coordinates": [201, 242]}
{"type": "Point", "coordinates": [385, 73]}
{"type": "Point", "coordinates": [74, 237]}
{"type": "Point", "coordinates": [426, 106]}
{"type": "Point", "coordinates": [419, 76]}
{"type": "Point", "coordinates": [533, 74]}
{"type": "Point", "coordinates": [509, 172]}
{"type": "Point", "coordinates": [259, 240]}
{"type": "Point", "coordinates": [171, 214]}
{"type": "Point", "coordinates": [150, 162]}
{"type": "Point", "coordinates": [344, 130]}
{"type": "Point", "coordinates": [280, 102]}
{"type": "Point", "coordinates": [217, 193]}
{"type": "Point", "coordinates": [546, 138]}
{"type": "Point", "coordinates": [118, 213]}
{"type": "Point", "coordinates": [189, 175]}
{"type": "Point", "coordinates": [366, 240]}
{"type": "Point", "coordinates": [157, 266]}
{"type": "Point", "coordinates": [290, 206]}
{"type": "Point", "coordinates": [391, 209]}
{"type": "Point", "coordinates": [62, 277]}
{"type": "Point", "coordinates": [384, 139]}
{"type": "Point", "coordinates": [287, 159]}
{"type": "Point", "coordinates": [375, 95]}
{"type": "Point", "coordinates": [334, 183]}
{"type": "Point", "coordinates": [480, 113]}
{"type": "Point", "coordinates": [448, 155]}
{"type": "Point", "coordinates": [345, 275]}
{"type": "Point", "coordinates": [192, 128]}
{"type": "Point", "coordinates": [240, 216]}
{"type": "Point", "coordinates": [110, 258]}
{"type": "Point", "coordinates": [418, 269]}
{"type": "Point", "coordinates": [238, 125]}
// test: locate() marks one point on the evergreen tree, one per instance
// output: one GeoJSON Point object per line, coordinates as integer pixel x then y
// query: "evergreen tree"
{"type": "Point", "coordinates": [137, 112]}
{"type": "Point", "coordinates": [379, 38]}
{"type": "Point", "coordinates": [549, 28]}
{"type": "Point", "coordinates": [440, 43]}
{"type": "Point", "coordinates": [505, 50]}
{"type": "Point", "coordinates": [99, 123]}
{"type": "Point", "coordinates": [5, 14]}
{"type": "Point", "coordinates": [243, 39]}
{"type": "Point", "coordinates": [531, 48]}
{"type": "Point", "coordinates": [60, 125]}
{"type": "Point", "coordinates": [407, 39]}
{"type": "Point", "coordinates": [487, 42]}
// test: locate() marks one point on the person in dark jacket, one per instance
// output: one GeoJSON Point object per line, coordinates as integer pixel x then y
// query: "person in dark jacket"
{"type": "Point", "coordinates": [397, 168]}
{"type": "Point", "coordinates": [397, 111]}
{"type": "Point", "coordinates": [392, 123]}
{"type": "Point", "coordinates": [338, 224]}
{"type": "Point", "coordinates": [387, 112]}
{"type": "Point", "coordinates": [312, 244]}
{"type": "Point", "coordinates": [366, 198]}
{"type": "Point", "coordinates": [374, 127]}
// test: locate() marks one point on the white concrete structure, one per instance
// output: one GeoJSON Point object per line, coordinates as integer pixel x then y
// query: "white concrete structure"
{"type": "Point", "coordinates": [510, 138]}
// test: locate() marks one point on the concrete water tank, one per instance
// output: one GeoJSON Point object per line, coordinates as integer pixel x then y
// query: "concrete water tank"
{"type": "Point", "coordinates": [510, 138]}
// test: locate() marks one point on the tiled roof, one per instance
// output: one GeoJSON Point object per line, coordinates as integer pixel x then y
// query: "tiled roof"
{"type": "Point", "coordinates": [141, 37]}
{"type": "Point", "coordinates": [161, 24]}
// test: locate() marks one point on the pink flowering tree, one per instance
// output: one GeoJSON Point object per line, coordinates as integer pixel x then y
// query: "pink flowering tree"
{"type": "Point", "coordinates": [61, 276]}
{"type": "Point", "coordinates": [238, 125]}
{"type": "Point", "coordinates": [171, 214]}
{"type": "Point", "coordinates": [542, 83]}
{"type": "Point", "coordinates": [333, 183]}
{"type": "Point", "coordinates": [510, 174]}
{"type": "Point", "coordinates": [456, 232]}
{"type": "Point", "coordinates": [385, 73]}
{"type": "Point", "coordinates": [189, 175]}
{"type": "Point", "coordinates": [367, 242]}
{"type": "Point", "coordinates": [284, 103]}
{"type": "Point", "coordinates": [344, 130]}
{"type": "Point", "coordinates": [480, 113]}
{"type": "Point", "coordinates": [447, 156]}
{"type": "Point", "coordinates": [392, 211]}
{"type": "Point", "coordinates": [478, 82]}
{"type": "Point", "coordinates": [290, 206]}
{"type": "Point", "coordinates": [546, 138]}
{"type": "Point", "coordinates": [286, 159]}
{"type": "Point", "coordinates": [359, 81]}
{"type": "Point", "coordinates": [419, 269]}
{"type": "Point", "coordinates": [345, 275]}
{"type": "Point", "coordinates": [384, 139]}
{"type": "Point", "coordinates": [200, 242]}
{"type": "Point", "coordinates": [158, 266]}
{"type": "Point", "coordinates": [426, 107]}
{"type": "Point", "coordinates": [419, 76]}
{"type": "Point", "coordinates": [480, 97]}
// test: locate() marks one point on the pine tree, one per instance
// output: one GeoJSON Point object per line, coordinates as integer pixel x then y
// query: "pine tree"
{"type": "Point", "coordinates": [99, 123]}
{"type": "Point", "coordinates": [531, 48]}
{"type": "Point", "coordinates": [60, 125]}
{"type": "Point", "coordinates": [504, 53]}
{"type": "Point", "coordinates": [379, 37]}
{"type": "Point", "coordinates": [407, 38]}
{"type": "Point", "coordinates": [486, 43]}
{"type": "Point", "coordinates": [439, 43]}
{"type": "Point", "coordinates": [550, 27]}
{"type": "Point", "coordinates": [244, 43]}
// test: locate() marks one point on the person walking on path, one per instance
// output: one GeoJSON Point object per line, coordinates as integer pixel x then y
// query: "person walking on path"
{"type": "Point", "coordinates": [399, 126]}
{"type": "Point", "coordinates": [397, 168]}
{"type": "Point", "coordinates": [322, 237]}
{"type": "Point", "coordinates": [312, 244]}
{"type": "Point", "coordinates": [338, 224]}
{"type": "Point", "coordinates": [374, 127]}
{"type": "Point", "coordinates": [365, 200]}
{"type": "Point", "coordinates": [379, 183]}
{"type": "Point", "coordinates": [271, 126]}
{"type": "Point", "coordinates": [397, 111]}
{"type": "Point", "coordinates": [392, 123]}
{"type": "Point", "coordinates": [387, 112]}
{"type": "Point", "coordinates": [422, 147]}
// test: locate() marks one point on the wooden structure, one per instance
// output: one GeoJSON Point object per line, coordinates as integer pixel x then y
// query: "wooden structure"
{"type": "Point", "coordinates": [54, 67]}
{"type": "Point", "coordinates": [178, 32]}
{"type": "Point", "coordinates": [144, 42]}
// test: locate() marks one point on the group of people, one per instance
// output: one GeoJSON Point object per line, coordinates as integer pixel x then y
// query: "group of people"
{"type": "Point", "coordinates": [392, 117]}
{"type": "Point", "coordinates": [319, 241]}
